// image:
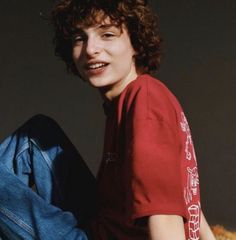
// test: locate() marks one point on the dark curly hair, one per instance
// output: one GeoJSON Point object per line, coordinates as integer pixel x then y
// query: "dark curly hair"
{"type": "Point", "coordinates": [136, 15]}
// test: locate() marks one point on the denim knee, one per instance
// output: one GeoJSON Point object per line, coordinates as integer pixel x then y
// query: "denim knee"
{"type": "Point", "coordinates": [45, 131]}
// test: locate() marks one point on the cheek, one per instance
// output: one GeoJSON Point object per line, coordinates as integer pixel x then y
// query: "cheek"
{"type": "Point", "coordinates": [123, 52]}
{"type": "Point", "coordinates": [76, 57]}
{"type": "Point", "coordinates": [76, 54]}
{"type": "Point", "coordinates": [125, 48]}
{"type": "Point", "coordinates": [126, 54]}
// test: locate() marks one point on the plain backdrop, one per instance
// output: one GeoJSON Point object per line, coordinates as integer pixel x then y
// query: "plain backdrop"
{"type": "Point", "coordinates": [198, 66]}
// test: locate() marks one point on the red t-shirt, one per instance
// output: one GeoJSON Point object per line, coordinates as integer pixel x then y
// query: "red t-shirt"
{"type": "Point", "coordinates": [149, 165]}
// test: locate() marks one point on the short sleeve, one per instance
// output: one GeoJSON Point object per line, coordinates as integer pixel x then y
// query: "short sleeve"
{"type": "Point", "coordinates": [153, 169]}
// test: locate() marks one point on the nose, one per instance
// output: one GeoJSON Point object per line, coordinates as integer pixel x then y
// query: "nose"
{"type": "Point", "coordinates": [93, 46]}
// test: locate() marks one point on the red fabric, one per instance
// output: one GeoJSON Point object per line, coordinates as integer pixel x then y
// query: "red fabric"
{"type": "Point", "coordinates": [149, 165]}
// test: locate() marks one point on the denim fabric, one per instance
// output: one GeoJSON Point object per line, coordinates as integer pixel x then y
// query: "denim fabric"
{"type": "Point", "coordinates": [46, 190]}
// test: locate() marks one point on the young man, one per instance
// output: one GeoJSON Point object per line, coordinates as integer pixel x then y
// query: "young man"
{"type": "Point", "coordinates": [147, 185]}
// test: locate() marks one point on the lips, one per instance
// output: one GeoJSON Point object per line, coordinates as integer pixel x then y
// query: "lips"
{"type": "Point", "coordinates": [96, 67]}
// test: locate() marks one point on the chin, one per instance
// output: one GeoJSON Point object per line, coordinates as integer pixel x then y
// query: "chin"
{"type": "Point", "coordinates": [100, 83]}
{"type": "Point", "coordinates": [96, 84]}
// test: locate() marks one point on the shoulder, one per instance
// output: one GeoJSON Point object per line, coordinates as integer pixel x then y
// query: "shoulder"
{"type": "Point", "coordinates": [149, 98]}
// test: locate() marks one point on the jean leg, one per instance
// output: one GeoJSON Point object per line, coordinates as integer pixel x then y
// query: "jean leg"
{"type": "Point", "coordinates": [40, 153]}
{"type": "Point", "coordinates": [74, 185]}
{"type": "Point", "coordinates": [6, 233]}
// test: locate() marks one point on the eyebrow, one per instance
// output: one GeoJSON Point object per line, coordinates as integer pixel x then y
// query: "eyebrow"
{"type": "Point", "coordinates": [100, 26]}
{"type": "Point", "coordinates": [105, 26]}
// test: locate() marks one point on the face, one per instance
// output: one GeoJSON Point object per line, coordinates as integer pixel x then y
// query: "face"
{"type": "Point", "coordinates": [104, 56]}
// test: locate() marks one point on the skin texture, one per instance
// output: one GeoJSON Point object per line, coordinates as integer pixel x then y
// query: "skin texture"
{"type": "Point", "coordinates": [205, 230]}
{"type": "Point", "coordinates": [165, 227]}
{"type": "Point", "coordinates": [110, 45]}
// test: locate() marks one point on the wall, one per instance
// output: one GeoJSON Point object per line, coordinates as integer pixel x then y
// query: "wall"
{"type": "Point", "coordinates": [198, 65]}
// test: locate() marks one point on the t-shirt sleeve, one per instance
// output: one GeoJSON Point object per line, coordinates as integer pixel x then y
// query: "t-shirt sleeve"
{"type": "Point", "coordinates": [153, 169]}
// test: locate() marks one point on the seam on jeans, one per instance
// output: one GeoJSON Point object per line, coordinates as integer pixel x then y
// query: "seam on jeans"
{"type": "Point", "coordinates": [48, 162]}
{"type": "Point", "coordinates": [22, 149]}
{"type": "Point", "coordinates": [17, 220]}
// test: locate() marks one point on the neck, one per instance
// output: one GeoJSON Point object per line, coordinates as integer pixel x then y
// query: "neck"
{"type": "Point", "coordinates": [108, 93]}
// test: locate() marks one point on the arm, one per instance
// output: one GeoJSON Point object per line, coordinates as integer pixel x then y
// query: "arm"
{"type": "Point", "coordinates": [165, 227]}
{"type": "Point", "coordinates": [205, 230]}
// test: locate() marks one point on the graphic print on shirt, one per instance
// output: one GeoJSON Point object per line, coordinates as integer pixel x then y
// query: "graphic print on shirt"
{"type": "Point", "coordinates": [189, 148]}
{"type": "Point", "coordinates": [192, 184]}
{"type": "Point", "coordinates": [194, 222]}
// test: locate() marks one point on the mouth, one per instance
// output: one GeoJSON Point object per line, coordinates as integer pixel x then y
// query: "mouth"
{"type": "Point", "coordinates": [96, 66]}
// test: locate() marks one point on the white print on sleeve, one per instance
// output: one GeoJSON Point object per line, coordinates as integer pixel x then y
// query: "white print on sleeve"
{"type": "Point", "coordinates": [194, 222]}
{"type": "Point", "coordinates": [192, 185]}
{"type": "Point", "coordinates": [189, 144]}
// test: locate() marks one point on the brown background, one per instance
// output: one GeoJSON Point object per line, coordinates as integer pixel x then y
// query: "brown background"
{"type": "Point", "coordinates": [199, 66]}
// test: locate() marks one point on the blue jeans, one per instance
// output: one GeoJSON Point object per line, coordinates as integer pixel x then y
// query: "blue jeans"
{"type": "Point", "coordinates": [46, 190]}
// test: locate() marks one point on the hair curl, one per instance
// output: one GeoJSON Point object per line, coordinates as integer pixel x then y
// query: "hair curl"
{"type": "Point", "coordinates": [138, 18]}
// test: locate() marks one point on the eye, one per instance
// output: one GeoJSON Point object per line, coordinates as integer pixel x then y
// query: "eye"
{"type": "Point", "coordinates": [108, 35]}
{"type": "Point", "coordinates": [77, 39]}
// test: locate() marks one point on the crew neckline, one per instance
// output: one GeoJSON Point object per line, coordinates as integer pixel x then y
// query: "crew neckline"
{"type": "Point", "coordinates": [109, 105]}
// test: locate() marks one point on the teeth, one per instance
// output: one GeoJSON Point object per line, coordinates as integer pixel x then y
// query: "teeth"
{"type": "Point", "coordinates": [96, 65]}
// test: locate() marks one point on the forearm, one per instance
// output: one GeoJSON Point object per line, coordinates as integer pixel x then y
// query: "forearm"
{"type": "Point", "coordinates": [165, 227]}
{"type": "Point", "coordinates": [205, 230]}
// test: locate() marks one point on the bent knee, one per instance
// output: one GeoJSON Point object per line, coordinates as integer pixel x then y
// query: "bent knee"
{"type": "Point", "coordinates": [42, 119]}
{"type": "Point", "coordinates": [44, 129]}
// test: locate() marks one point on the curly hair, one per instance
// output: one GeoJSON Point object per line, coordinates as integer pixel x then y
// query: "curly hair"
{"type": "Point", "coordinates": [136, 15]}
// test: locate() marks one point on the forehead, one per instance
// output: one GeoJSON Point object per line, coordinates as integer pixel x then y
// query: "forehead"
{"type": "Point", "coordinates": [95, 18]}
{"type": "Point", "coordinates": [101, 24]}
